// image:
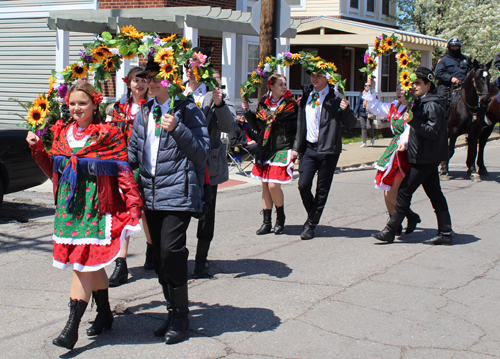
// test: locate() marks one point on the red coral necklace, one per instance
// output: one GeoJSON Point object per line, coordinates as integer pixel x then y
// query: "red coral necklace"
{"type": "Point", "coordinates": [80, 135]}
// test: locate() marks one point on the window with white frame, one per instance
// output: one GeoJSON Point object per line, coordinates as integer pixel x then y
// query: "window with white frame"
{"type": "Point", "coordinates": [385, 7]}
{"type": "Point", "coordinates": [370, 5]}
{"type": "Point", "coordinates": [385, 74]}
{"type": "Point", "coordinates": [252, 61]}
{"type": "Point", "coordinates": [354, 4]}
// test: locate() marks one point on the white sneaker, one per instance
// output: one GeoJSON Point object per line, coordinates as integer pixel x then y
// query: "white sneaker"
{"type": "Point", "coordinates": [363, 145]}
{"type": "Point", "coordinates": [373, 143]}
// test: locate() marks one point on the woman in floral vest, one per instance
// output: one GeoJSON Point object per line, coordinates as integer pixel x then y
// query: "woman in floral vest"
{"type": "Point", "coordinates": [276, 122]}
{"type": "Point", "coordinates": [88, 166]}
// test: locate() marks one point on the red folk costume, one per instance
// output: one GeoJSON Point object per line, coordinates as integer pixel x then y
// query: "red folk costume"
{"type": "Point", "coordinates": [124, 113]}
{"type": "Point", "coordinates": [92, 217]}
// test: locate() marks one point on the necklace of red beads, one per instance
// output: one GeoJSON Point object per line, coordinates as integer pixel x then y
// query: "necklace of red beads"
{"type": "Point", "coordinates": [80, 134]}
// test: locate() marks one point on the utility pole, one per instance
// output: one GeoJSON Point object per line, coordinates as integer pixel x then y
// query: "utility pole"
{"type": "Point", "coordinates": [267, 45]}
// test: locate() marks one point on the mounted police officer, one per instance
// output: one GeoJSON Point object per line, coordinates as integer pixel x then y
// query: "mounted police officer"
{"type": "Point", "coordinates": [452, 68]}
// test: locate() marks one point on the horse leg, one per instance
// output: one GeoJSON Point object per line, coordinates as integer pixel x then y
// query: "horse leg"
{"type": "Point", "coordinates": [471, 159]}
{"type": "Point", "coordinates": [445, 175]}
{"type": "Point", "coordinates": [483, 139]}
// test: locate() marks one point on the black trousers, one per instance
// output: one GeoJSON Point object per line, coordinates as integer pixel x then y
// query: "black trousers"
{"type": "Point", "coordinates": [168, 234]}
{"type": "Point", "coordinates": [324, 165]}
{"type": "Point", "coordinates": [206, 223]}
{"type": "Point", "coordinates": [426, 175]}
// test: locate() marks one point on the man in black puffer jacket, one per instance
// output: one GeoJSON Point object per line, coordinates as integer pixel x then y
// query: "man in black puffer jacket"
{"type": "Point", "coordinates": [427, 147]}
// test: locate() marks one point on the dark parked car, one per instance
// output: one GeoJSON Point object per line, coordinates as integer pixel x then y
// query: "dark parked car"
{"type": "Point", "coordinates": [18, 170]}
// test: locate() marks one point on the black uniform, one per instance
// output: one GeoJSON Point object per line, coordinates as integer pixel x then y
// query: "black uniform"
{"type": "Point", "coordinates": [497, 65]}
{"type": "Point", "coordinates": [451, 66]}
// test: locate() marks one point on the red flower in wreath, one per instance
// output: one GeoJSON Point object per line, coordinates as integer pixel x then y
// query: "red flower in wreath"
{"type": "Point", "coordinates": [269, 83]}
{"type": "Point", "coordinates": [97, 98]}
{"type": "Point", "coordinates": [66, 99]}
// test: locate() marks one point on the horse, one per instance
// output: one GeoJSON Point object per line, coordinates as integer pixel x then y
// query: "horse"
{"type": "Point", "coordinates": [467, 116]}
{"type": "Point", "coordinates": [493, 116]}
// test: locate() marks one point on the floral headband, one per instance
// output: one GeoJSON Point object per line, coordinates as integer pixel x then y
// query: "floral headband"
{"type": "Point", "coordinates": [97, 98]}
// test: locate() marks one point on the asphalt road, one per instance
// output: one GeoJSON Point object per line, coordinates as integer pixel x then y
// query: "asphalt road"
{"type": "Point", "coordinates": [340, 295]}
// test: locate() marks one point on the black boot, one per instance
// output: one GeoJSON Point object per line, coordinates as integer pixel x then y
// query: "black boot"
{"type": "Point", "coordinates": [69, 335]}
{"type": "Point", "coordinates": [120, 274]}
{"type": "Point", "coordinates": [400, 228]}
{"type": "Point", "coordinates": [310, 225]}
{"type": "Point", "coordinates": [412, 220]}
{"type": "Point", "coordinates": [163, 327]}
{"type": "Point", "coordinates": [149, 264]}
{"type": "Point", "coordinates": [444, 235]}
{"type": "Point", "coordinates": [104, 318]}
{"type": "Point", "coordinates": [389, 232]}
{"type": "Point", "coordinates": [280, 220]}
{"type": "Point", "coordinates": [180, 315]}
{"type": "Point", "coordinates": [200, 261]}
{"type": "Point", "coordinates": [266, 225]}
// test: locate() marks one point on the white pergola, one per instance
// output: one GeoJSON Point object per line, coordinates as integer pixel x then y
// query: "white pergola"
{"type": "Point", "coordinates": [189, 22]}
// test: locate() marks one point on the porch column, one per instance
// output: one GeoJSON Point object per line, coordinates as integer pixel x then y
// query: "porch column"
{"type": "Point", "coordinates": [121, 86]}
{"type": "Point", "coordinates": [191, 33]}
{"type": "Point", "coordinates": [426, 59]}
{"type": "Point", "coordinates": [62, 49]}
{"type": "Point", "coordinates": [283, 45]}
{"type": "Point", "coordinates": [228, 75]}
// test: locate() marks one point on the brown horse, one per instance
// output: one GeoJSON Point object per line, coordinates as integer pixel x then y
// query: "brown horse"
{"type": "Point", "coordinates": [493, 117]}
{"type": "Point", "coordinates": [467, 116]}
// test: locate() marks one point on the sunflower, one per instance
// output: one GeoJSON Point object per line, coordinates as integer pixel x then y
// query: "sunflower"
{"type": "Point", "coordinates": [36, 116]}
{"type": "Point", "coordinates": [135, 34]}
{"type": "Point", "coordinates": [167, 70]}
{"type": "Point", "coordinates": [288, 63]}
{"type": "Point", "coordinates": [376, 45]}
{"type": "Point", "coordinates": [130, 56]}
{"type": "Point", "coordinates": [178, 81]}
{"type": "Point", "coordinates": [127, 29]}
{"type": "Point", "coordinates": [185, 44]}
{"type": "Point", "coordinates": [331, 81]}
{"type": "Point", "coordinates": [370, 62]}
{"type": "Point", "coordinates": [321, 65]}
{"type": "Point", "coordinates": [241, 91]}
{"type": "Point", "coordinates": [404, 62]}
{"type": "Point", "coordinates": [401, 55]}
{"type": "Point", "coordinates": [170, 38]}
{"type": "Point", "coordinates": [52, 81]}
{"type": "Point", "coordinates": [332, 66]}
{"type": "Point", "coordinates": [101, 53]}
{"type": "Point", "coordinates": [296, 56]}
{"type": "Point", "coordinates": [268, 59]}
{"type": "Point", "coordinates": [256, 81]}
{"type": "Point", "coordinates": [196, 74]}
{"type": "Point", "coordinates": [164, 55]}
{"type": "Point", "coordinates": [41, 102]}
{"type": "Point", "coordinates": [260, 64]}
{"type": "Point", "coordinates": [315, 58]}
{"type": "Point", "coordinates": [406, 85]}
{"type": "Point", "coordinates": [79, 71]}
{"type": "Point", "coordinates": [405, 76]}
{"type": "Point", "coordinates": [389, 42]}
{"type": "Point", "coordinates": [109, 64]}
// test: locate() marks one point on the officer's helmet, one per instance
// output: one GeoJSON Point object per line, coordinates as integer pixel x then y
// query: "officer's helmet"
{"type": "Point", "coordinates": [454, 41]}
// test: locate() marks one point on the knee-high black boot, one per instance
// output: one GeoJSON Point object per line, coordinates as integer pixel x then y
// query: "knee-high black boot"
{"type": "Point", "coordinates": [445, 234]}
{"type": "Point", "coordinates": [179, 323]}
{"type": "Point", "coordinates": [69, 335]}
{"type": "Point", "coordinates": [389, 232]}
{"type": "Point", "coordinates": [163, 327]}
{"type": "Point", "coordinates": [120, 274]}
{"type": "Point", "coordinates": [413, 219]}
{"type": "Point", "coordinates": [200, 263]}
{"type": "Point", "coordinates": [266, 225]}
{"type": "Point", "coordinates": [280, 220]}
{"type": "Point", "coordinates": [149, 264]}
{"type": "Point", "coordinates": [104, 318]}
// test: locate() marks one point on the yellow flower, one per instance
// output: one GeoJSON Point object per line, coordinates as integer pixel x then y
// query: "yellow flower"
{"type": "Point", "coordinates": [406, 85]}
{"type": "Point", "coordinates": [130, 56]}
{"type": "Point", "coordinates": [331, 81]}
{"type": "Point", "coordinates": [288, 63]}
{"type": "Point", "coordinates": [198, 103]}
{"type": "Point", "coordinates": [41, 102]}
{"type": "Point", "coordinates": [101, 53]}
{"type": "Point", "coordinates": [260, 64]}
{"type": "Point", "coordinates": [376, 45]}
{"type": "Point", "coordinates": [404, 62]}
{"type": "Point", "coordinates": [196, 73]}
{"type": "Point", "coordinates": [321, 65]}
{"type": "Point", "coordinates": [389, 42]}
{"type": "Point", "coordinates": [405, 76]}
{"type": "Point", "coordinates": [164, 55]}
{"type": "Point", "coordinates": [401, 55]}
{"type": "Point", "coordinates": [167, 70]}
{"type": "Point", "coordinates": [109, 64]}
{"type": "Point", "coordinates": [256, 81]}
{"type": "Point", "coordinates": [36, 116]}
{"type": "Point", "coordinates": [254, 74]}
{"type": "Point", "coordinates": [296, 56]}
{"type": "Point", "coordinates": [332, 66]}
{"type": "Point", "coordinates": [241, 91]}
{"type": "Point", "coordinates": [127, 29]}
{"type": "Point", "coordinates": [79, 72]}
{"type": "Point", "coordinates": [370, 62]}
{"type": "Point", "coordinates": [268, 59]}
{"type": "Point", "coordinates": [178, 81]}
{"type": "Point", "coordinates": [52, 81]}
{"type": "Point", "coordinates": [170, 38]}
{"type": "Point", "coordinates": [185, 44]}
{"type": "Point", "coordinates": [135, 34]}
{"type": "Point", "coordinates": [315, 58]}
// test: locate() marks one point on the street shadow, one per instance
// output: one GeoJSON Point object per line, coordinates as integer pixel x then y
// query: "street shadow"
{"type": "Point", "coordinates": [206, 320]}
{"type": "Point", "coordinates": [330, 231]}
{"type": "Point", "coordinates": [10, 243]}
{"type": "Point", "coordinates": [22, 212]}
{"type": "Point", "coordinates": [247, 267]}
{"type": "Point", "coordinates": [462, 175]}
{"type": "Point", "coordinates": [138, 273]}
{"type": "Point", "coordinates": [423, 234]}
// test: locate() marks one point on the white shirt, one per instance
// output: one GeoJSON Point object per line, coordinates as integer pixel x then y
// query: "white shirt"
{"type": "Point", "coordinates": [153, 141]}
{"type": "Point", "coordinates": [198, 94]}
{"type": "Point", "coordinates": [313, 115]}
{"type": "Point", "coordinates": [74, 143]}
